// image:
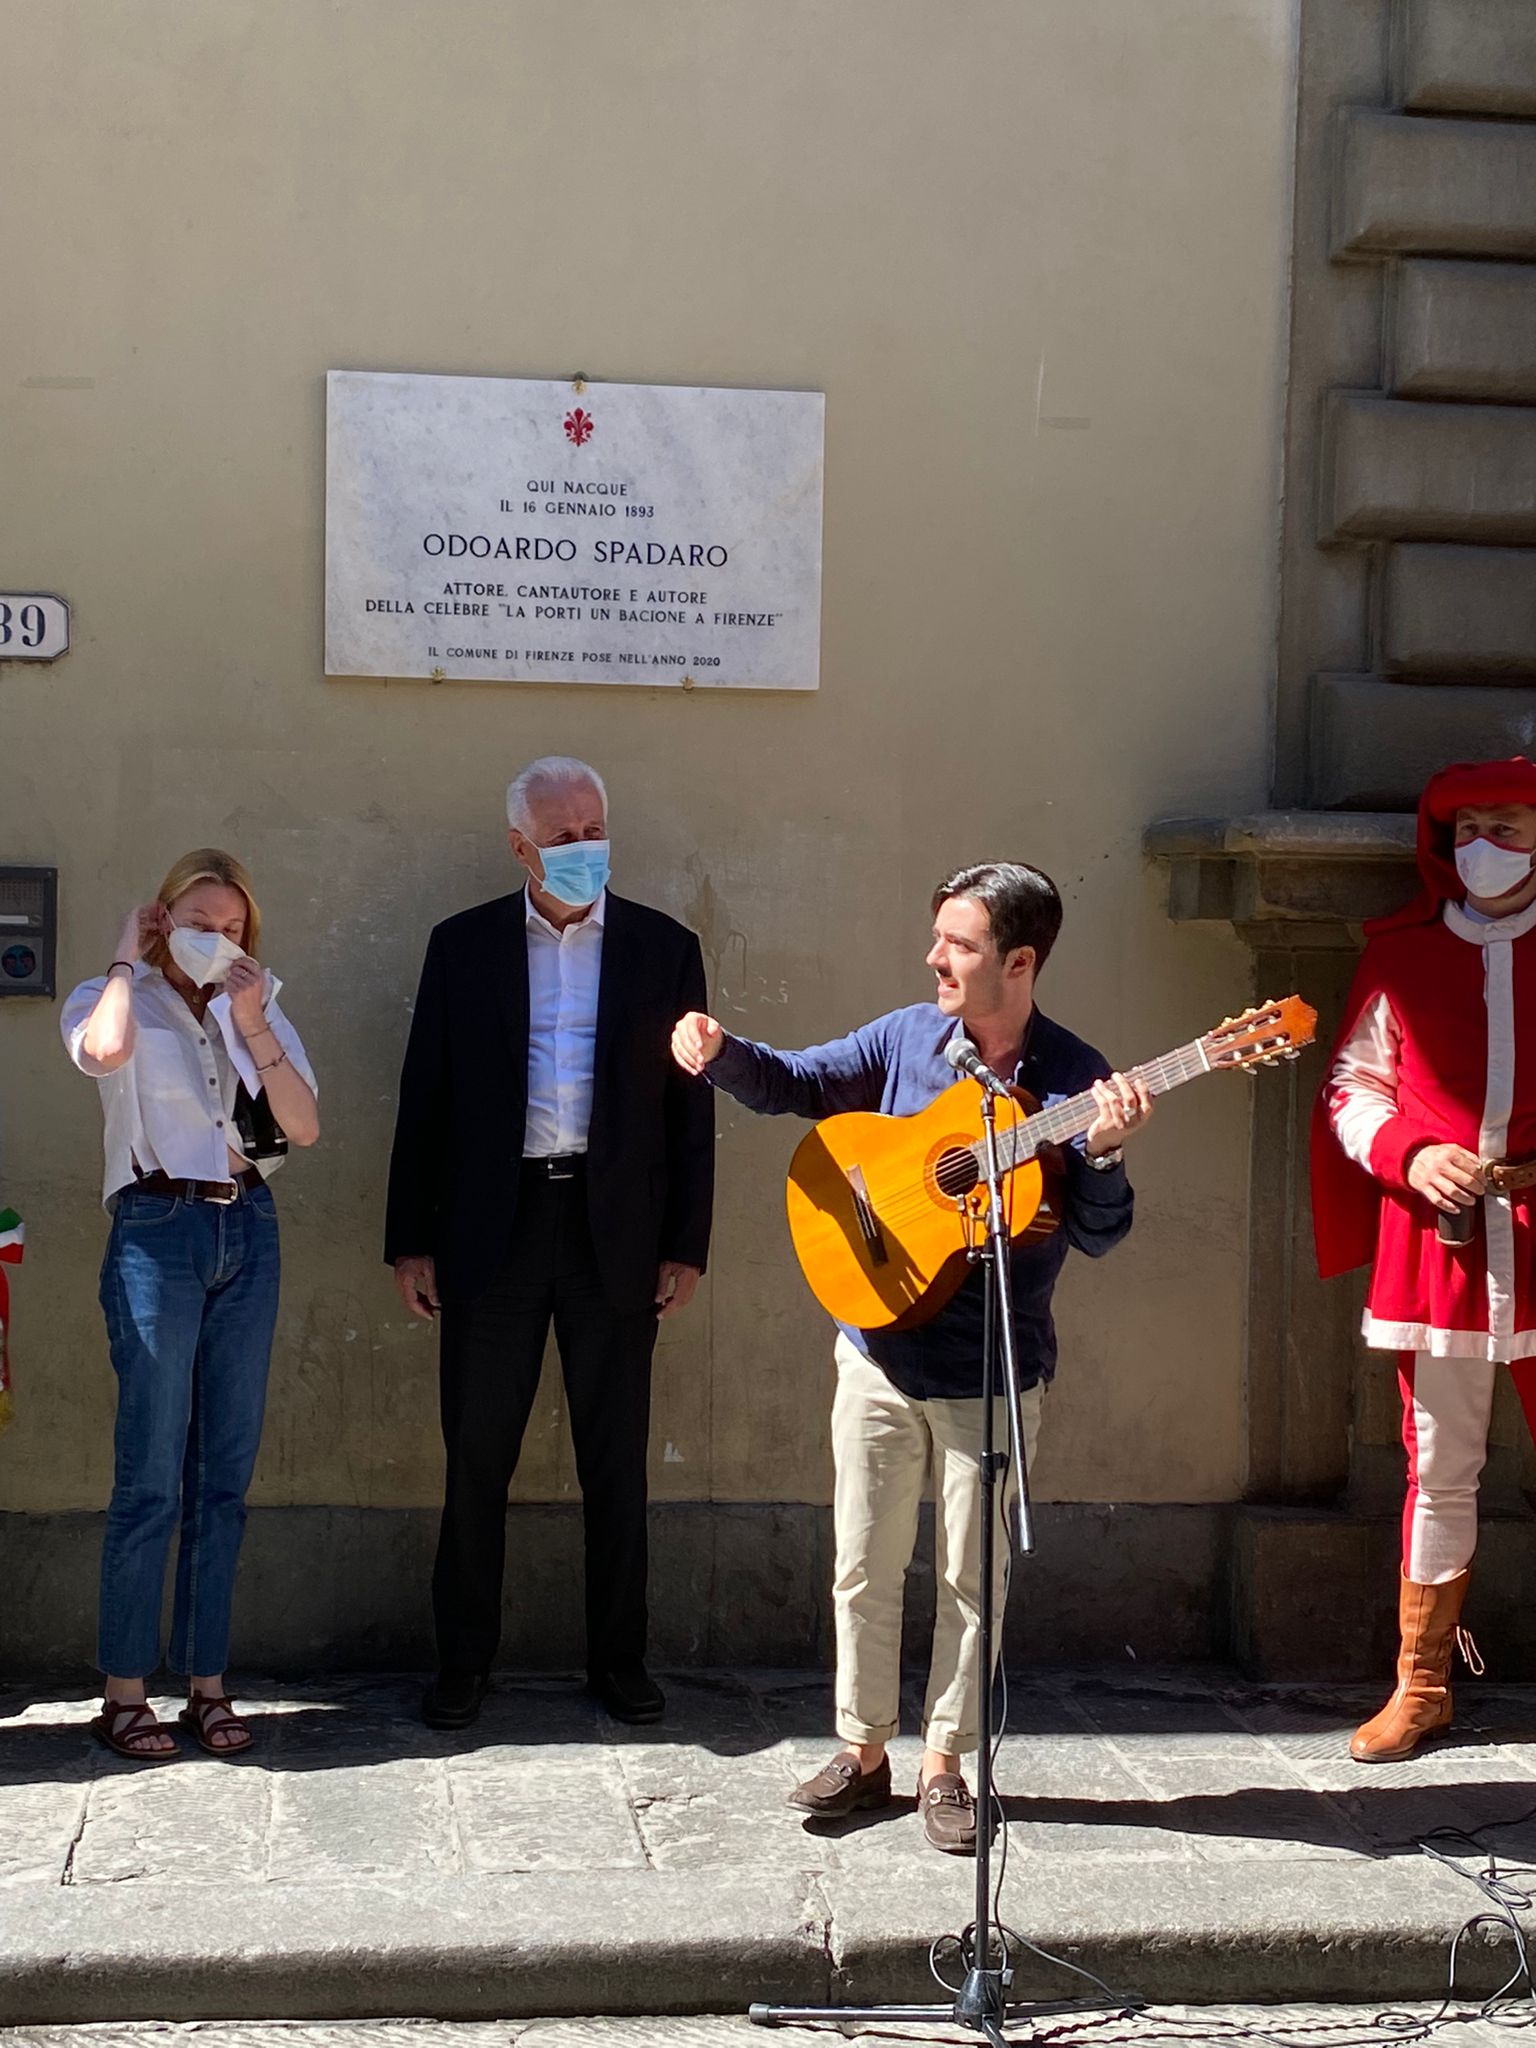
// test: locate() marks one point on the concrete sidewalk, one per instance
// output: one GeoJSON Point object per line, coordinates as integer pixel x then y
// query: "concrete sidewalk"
{"type": "Point", "coordinates": [1185, 1838]}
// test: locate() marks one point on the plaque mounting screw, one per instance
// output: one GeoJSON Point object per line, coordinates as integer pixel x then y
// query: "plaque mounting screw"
{"type": "Point", "coordinates": [437, 675]}
{"type": "Point", "coordinates": [687, 682]}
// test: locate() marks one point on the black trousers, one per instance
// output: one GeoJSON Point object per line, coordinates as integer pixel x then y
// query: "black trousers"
{"type": "Point", "coordinates": [491, 1351]}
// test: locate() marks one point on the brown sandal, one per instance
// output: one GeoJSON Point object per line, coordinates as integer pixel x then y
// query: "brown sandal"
{"type": "Point", "coordinates": [122, 1722]}
{"type": "Point", "coordinates": [198, 1715]}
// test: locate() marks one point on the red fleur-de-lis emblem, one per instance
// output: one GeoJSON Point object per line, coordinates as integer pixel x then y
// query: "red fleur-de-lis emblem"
{"type": "Point", "coordinates": [578, 426]}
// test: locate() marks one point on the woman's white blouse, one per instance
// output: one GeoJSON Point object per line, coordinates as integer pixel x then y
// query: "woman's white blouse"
{"type": "Point", "coordinates": [170, 1105]}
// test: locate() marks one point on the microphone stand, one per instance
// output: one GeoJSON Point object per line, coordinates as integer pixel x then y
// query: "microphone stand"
{"type": "Point", "coordinates": [981, 2002]}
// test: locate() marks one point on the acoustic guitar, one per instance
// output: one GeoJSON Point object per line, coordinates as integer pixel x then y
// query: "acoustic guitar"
{"type": "Point", "coordinates": [886, 1210]}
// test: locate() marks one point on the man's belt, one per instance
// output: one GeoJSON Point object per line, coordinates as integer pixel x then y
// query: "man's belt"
{"type": "Point", "coordinates": [565, 1167]}
{"type": "Point", "coordinates": [1509, 1176]}
{"type": "Point", "coordinates": [221, 1192]}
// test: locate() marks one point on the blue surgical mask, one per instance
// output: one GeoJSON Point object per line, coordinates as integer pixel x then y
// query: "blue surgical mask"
{"type": "Point", "coordinates": [576, 874]}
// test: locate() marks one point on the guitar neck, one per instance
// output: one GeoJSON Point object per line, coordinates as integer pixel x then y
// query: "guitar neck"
{"type": "Point", "coordinates": [1064, 1121]}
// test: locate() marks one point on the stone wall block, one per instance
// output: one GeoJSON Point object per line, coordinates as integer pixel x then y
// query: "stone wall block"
{"type": "Point", "coordinates": [1375, 743]}
{"type": "Point", "coordinates": [1459, 612]}
{"type": "Point", "coordinates": [1408, 186]}
{"type": "Point", "coordinates": [1395, 470]}
{"type": "Point", "coordinates": [1468, 56]}
{"type": "Point", "coordinates": [1465, 330]}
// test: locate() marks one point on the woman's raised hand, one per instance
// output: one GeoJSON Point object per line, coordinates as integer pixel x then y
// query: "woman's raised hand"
{"type": "Point", "coordinates": [149, 921]}
{"type": "Point", "coordinates": [246, 987]}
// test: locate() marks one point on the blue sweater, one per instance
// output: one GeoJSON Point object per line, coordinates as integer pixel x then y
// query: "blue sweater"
{"type": "Point", "coordinates": [897, 1065]}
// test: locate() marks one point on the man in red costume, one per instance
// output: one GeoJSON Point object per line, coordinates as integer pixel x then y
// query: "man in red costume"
{"type": "Point", "coordinates": [1424, 1161]}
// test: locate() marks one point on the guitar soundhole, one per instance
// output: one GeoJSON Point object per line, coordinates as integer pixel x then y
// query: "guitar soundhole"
{"type": "Point", "coordinates": [956, 1173]}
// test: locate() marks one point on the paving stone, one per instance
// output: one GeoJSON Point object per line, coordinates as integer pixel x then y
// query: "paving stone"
{"type": "Point", "coordinates": [1196, 1725]}
{"type": "Point", "coordinates": [377, 1715]}
{"type": "Point", "coordinates": [173, 1821]}
{"type": "Point", "coordinates": [38, 1824]}
{"type": "Point", "coordinates": [1347, 1930]}
{"type": "Point", "coordinates": [1230, 1809]}
{"type": "Point", "coordinates": [1394, 1818]}
{"type": "Point", "coordinates": [536, 1811]}
{"type": "Point", "coordinates": [275, 2034]}
{"type": "Point", "coordinates": [1307, 2026]}
{"type": "Point", "coordinates": [51, 1741]}
{"type": "Point", "coordinates": [697, 1810]}
{"type": "Point", "coordinates": [1189, 1834]}
{"type": "Point", "coordinates": [392, 1818]}
{"type": "Point", "coordinates": [1073, 1796]}
{"type": "Point", "coordinates": [1450, 1763]}
{"type": "Point", "coordinates": [1037, 1710]}
{"type": "Point", "coordinates": [722, 1716]}
{"type": "Point", "coordinates": [466, 1947]}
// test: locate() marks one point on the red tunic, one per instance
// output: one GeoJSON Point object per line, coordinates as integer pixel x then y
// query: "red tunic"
{"type": "Point", "coordinates": [1438, 1045]}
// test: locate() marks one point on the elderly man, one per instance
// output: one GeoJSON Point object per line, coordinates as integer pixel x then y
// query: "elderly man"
{"type": "Point", "coordinates": [550, 1162]}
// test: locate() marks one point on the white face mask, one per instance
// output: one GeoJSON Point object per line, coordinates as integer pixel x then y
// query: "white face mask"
{"type": "Point", "coordinates": [1491, 871]}
{"type": "Point", "coordinates": [203, 957]}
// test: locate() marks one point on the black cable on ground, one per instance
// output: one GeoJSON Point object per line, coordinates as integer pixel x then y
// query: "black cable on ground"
{"type": "Point", "coordinates": [1512, 2005]}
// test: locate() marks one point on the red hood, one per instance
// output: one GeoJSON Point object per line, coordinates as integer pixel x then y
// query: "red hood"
{"type": "Point", "coordinates": [1465, 782]}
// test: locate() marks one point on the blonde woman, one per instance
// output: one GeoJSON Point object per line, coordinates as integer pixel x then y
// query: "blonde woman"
{"type": "Point", "coordinates": [204, 1084]}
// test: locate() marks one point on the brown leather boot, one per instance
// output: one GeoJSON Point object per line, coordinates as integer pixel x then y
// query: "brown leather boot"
{"type": "Point", "coordinates": [1427, 1618]}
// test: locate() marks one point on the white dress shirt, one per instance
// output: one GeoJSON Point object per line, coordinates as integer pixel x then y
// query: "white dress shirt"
{"type": "Point", "coordinates": [563, 971]}
{"type": "Point", "coordinates": [170, 1106]}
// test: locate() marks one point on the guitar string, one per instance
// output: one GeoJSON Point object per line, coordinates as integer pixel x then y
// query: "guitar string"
{"type": "Point", "coordinates": [1066, 1119]}
{"type": "Point", "coordinates": [1061, 1122]}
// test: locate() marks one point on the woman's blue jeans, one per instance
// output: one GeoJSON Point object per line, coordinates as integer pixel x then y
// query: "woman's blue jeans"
{"type": "Point", "coordinates": [189, 1291]}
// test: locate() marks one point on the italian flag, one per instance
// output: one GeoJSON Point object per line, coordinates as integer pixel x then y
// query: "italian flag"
{"type": "Point", "coordinates": [13, 1237]}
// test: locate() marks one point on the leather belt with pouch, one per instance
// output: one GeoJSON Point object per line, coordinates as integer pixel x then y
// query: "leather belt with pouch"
{"type": "Point", "coordinates": [1509, 1176]}
{"type": "Point", "coordinates": [1504, 1177]}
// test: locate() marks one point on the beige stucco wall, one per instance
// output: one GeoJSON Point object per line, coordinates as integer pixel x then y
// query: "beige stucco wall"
{"type": "Point", "coordinates": [1035, 253]}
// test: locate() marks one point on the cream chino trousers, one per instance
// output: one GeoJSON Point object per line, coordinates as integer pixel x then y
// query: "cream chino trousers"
{"type": "Point", "coordinates": [884, 1448]}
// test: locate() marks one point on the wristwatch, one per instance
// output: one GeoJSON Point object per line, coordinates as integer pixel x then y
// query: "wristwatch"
{"type": "Point", "coordinates": [1101, 1162]}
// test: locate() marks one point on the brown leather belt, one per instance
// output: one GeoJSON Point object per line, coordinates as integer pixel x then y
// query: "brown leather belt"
{"type": "Point", "coordinates": [222, 1192]}
{"type": "Point", "coordinates": [1509, 1176]}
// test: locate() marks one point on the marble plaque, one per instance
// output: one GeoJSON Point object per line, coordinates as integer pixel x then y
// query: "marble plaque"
{"type": "Point", "coordinates": [492, 529]}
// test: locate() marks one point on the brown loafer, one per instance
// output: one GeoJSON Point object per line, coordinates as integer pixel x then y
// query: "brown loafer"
{"type": "Point", "coordinates": [841, 1787]}
{"type": "Point", "coordinates": [949, 1813]}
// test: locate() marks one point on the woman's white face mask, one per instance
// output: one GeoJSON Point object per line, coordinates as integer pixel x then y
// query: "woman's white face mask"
{"type": "Point", "coordinates": [203, 957]}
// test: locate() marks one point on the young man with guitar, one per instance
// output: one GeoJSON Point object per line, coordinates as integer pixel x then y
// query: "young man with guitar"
{"type": "Point", "coordinates": [908, 1399]}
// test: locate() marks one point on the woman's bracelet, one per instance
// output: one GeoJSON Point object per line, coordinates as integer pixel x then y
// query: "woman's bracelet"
{"type": "Point", "coordinates": [120, 963]}
{"type": "Point", "coordinates": [273, 1064]}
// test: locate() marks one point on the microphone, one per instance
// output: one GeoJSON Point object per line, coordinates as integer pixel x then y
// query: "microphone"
{"type": "Point", "coordinates": [965, 1059]}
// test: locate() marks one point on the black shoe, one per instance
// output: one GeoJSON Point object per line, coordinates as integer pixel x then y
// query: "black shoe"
{"type": "Point", "coordinates": [453, 1699]}
{"type": "Point", "coordinates": [631, 1695]}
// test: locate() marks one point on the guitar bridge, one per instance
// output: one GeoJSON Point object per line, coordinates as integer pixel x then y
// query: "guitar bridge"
{"type": "Point", "coordinates": [869, 1223]}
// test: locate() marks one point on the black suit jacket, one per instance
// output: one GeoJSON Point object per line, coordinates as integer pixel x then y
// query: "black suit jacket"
{"type": "Point", "coordinates": [453, 1173]}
